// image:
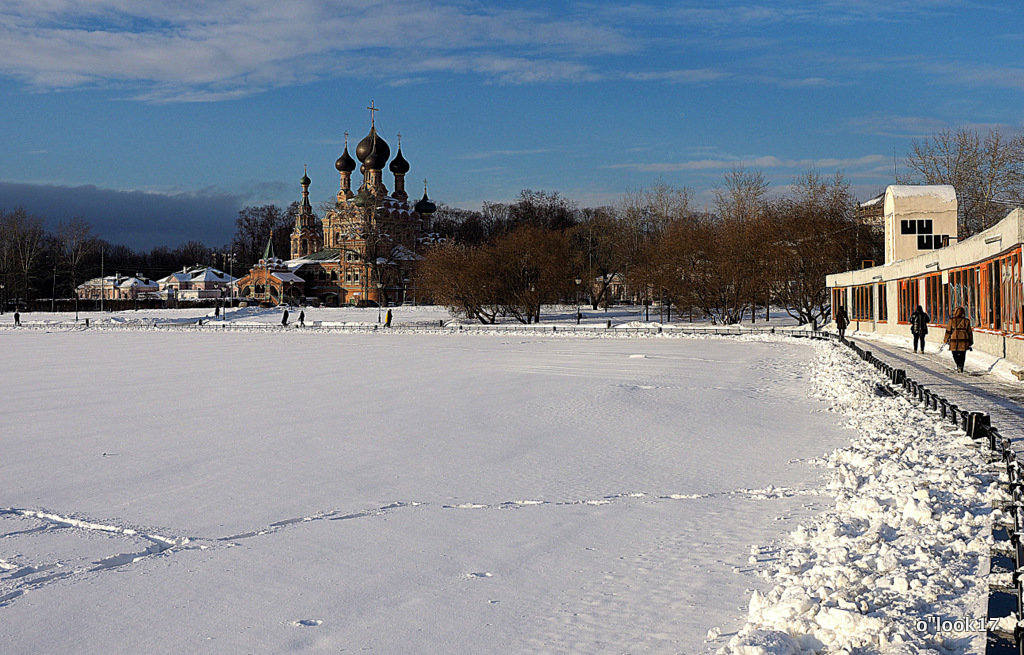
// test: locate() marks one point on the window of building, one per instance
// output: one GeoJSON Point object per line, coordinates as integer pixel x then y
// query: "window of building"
{"type": "Point", "coordinates": [936, 299]}
{"type": "Point", "coordinates": [863, 306]}
{"type": "Point", "coordinates": [883, 304]}
{"type": "Point", "coordinates": [838, 296]}
{"type": "Point", "coordinates": [963, 291]}
{"type": "Point", "coordinates": [1011, 291]}
{"type": "Point", "coordinates": [907, 299]}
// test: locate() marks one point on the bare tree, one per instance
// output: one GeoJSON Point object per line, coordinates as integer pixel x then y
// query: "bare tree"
{"type": "Point", "coordinates": [531, 266]}
{"type": "Point", "coordinates": [603, 249]}
{"type": "Point", "coordinates": [24, 241]}
{"type": "Point", "coordinates": [742, 196]}
{"type": "Point", "coordinates": [75, 242]}
{"type": "Point", "coordinates": [459, 276]}
{"type": "Point", "coordinates": [809, 235]}
{"type": "Point", "coordinates": [254, 226]}
{"type": "Point", "coordinates": [986, 171]}
{"type": "Point", "coordinates": [543, 209]}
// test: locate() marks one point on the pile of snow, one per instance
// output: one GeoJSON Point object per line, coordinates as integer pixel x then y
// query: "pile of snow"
{"type": "Point", "coordinates": [905, 549]}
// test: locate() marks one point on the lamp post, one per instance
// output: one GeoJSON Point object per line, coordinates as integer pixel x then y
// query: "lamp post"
{"type": "Point", "coordinates": [3, 299]}
{"type": "Point", "coordinates": [579, 314]}
{"type": "Point", "coordinates": [380, 286]}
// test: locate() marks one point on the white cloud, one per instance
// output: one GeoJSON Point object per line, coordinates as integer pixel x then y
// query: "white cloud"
{"type": "Point", "coordinates": [506, 153]}
{"type": "Point", "coordinates": [216, 51]}
{"type": "Point", "coordinates": [764, 161]}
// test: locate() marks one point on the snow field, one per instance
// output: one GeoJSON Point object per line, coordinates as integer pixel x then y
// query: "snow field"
{"type": "Point", "coordinates": [905, 547]}
{"type": "Point", "coordinates": [313, 492]}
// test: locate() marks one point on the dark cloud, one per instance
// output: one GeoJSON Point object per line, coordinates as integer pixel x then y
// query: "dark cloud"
{"type": "Point", "coordinates": [136, 218]}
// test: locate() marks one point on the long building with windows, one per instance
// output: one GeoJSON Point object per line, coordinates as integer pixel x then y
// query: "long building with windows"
{"type": "Point", "coordinates": [926, 265]}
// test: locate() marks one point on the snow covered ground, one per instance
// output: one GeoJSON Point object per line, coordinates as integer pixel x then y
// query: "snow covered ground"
{"type": "Point", "coordinates": [328, 492]}
{"type": "Point", "coordinates": [418, 315]}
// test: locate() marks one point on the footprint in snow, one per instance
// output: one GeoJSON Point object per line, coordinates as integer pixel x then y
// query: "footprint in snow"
{"type": "Point", "coordinates": [480, 574]}
{"type": "Point", "coordinates": [307, 623]}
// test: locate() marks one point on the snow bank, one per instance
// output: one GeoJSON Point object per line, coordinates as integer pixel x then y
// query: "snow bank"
{"type": "Point", "coordinates": [904, 549]}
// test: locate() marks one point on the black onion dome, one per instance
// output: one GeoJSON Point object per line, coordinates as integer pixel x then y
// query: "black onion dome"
{"type": "Point", "coordinates": [345, 163]}
{"type": "Point", "coordinates": [372, 142]}
{"type": "Point", "coordinates": [398, 165]}
{"type": "Point", "coordinates": [424, 206]}
{"type": "Point", "coordinates": [376, 158]}
{"type": "Point", "coordinates": [305, 180]}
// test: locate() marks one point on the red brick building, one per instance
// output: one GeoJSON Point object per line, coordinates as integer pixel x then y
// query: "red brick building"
{"type": "Point", "coordinates": [271, 282]}
{"type": "Point", "coordinates": [366, 248]}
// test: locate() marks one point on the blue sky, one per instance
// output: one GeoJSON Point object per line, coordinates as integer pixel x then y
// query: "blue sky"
{"type": "Point", "coordinates": [173, 115]}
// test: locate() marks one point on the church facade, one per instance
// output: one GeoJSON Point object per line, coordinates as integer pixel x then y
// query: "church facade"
{"type": "Point", "coordinates": [365, 249]}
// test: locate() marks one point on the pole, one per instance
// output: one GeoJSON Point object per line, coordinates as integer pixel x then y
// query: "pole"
{"type": "Point", "coordinates": [103, 280]}
{"type": "Point", "coordinates": [579, 306]}
{"type": "Point", "coordinates": [53, 293]}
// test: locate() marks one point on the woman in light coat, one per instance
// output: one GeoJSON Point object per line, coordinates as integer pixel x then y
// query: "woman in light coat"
{"type": "Point", "coordinates": [959, 336]}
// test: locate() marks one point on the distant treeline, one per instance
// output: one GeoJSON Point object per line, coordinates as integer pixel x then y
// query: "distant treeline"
{"type": "Point", "coordinates": [754, 247]}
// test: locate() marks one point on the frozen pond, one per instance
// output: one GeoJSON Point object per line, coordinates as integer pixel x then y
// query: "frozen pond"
{"type": "Point", "coordinates": [328, 492]}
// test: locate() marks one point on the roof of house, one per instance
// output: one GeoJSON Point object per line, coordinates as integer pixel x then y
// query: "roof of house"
{"type": "Point", "coordinates": [944, 192]}
{"type": "Point", "coordinates": [286, 276]}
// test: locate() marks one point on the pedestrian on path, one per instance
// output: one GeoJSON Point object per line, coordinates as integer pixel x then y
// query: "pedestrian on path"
{"type": "Point", "coordinates": [959, 336]}
{"type": "Point", "coordinates": [842, 321]}
{"type": "Point", "coordinates": [17, 317]}
{"type": "Point", "coordinates": [284, 319]}
{"type": "Point", "coordinates": [302, 318]}
{"type": "Point", "coordinates": [919, 326]}
{"type": "Point", "coordinates": [387, 319]}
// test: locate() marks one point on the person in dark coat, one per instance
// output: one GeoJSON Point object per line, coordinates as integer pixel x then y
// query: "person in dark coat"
{"type": "Point", "coordinates": [387, 319]}
{"type": "Point", "coordinates": [17, 317]}
{"type": "Point", "coordinates": [284, 318]}
{"type": "Point", "coordinates": [919, 326]}
{"type": "Point", "coordinates": [960, 337]}
{"type": "Point", "coordinates": [842, 321]}
{"type": "Point", "coordinates": [302, 317]}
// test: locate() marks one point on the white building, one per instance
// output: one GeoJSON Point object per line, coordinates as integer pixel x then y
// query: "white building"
{"type": "Point", "coordinates": [196, 283]}
{"type": "Point", "coordinates": [981, 274]}
{"type": "Point", "coordinates": [118, 287]}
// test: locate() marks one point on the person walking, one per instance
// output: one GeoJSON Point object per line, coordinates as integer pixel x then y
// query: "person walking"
{"type": "Point", "coordinates": [959, 336]}
{"type": "Point", "coordinates": [387, 319]}
{"type": "Point", "coordinates": [17, 317]}
{"type": "Point", "coordinates": [284, 318]}
{"type": "Point", "coordinates": [842, 321]}
{"type": "Point", "coordinates": [302, 318]}
{"type": "Point", "coordinates": [919, 326]}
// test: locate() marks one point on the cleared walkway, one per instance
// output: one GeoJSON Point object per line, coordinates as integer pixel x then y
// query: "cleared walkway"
{"type": "Point", "coordinates": [978, 389]}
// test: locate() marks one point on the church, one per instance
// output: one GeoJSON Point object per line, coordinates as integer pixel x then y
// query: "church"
{"type": "Point", "coordinates": [365, 250]}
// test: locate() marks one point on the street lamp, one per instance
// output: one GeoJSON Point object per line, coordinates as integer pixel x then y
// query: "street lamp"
{"type": "Point", "coordinates": [579, 314]}
{"type": "Point", "coordinates": [3, 299]}
{"type": "Point", "coordinates": [380, 286]}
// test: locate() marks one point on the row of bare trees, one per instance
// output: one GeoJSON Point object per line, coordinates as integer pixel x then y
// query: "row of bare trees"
{"type": "Point", "coordinates": [751, 251]}
{"type": "Point", "coordinates": [36, 262]}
